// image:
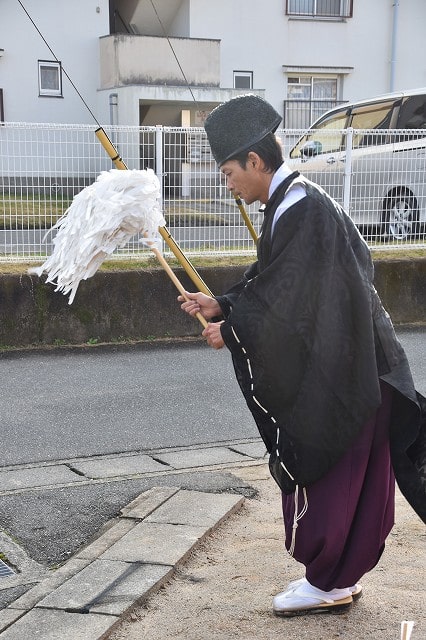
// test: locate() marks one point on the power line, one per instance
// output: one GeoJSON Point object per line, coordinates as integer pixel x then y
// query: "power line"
{"type": "Point", "coordinates": [57, 60]}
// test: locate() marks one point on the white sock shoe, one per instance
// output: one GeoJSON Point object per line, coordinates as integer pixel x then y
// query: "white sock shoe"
{"type": "Point", "coordinates": [355, 589]}
{"type": "Point", "coordinates": [301, 597]}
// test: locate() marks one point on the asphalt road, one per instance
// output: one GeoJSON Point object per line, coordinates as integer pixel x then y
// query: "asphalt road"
{"type": "Point", "coordinates": [64, 404]}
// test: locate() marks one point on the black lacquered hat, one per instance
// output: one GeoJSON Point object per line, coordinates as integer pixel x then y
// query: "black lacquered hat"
{"type": "Point", "coordinates": [238, 124]}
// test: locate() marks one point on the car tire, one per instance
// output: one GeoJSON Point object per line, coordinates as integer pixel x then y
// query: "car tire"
{"type": "Point", "coordinates": [400, 216]}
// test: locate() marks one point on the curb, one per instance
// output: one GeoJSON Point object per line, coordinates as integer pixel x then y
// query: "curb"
{"type": "Point", "coordinates": [130, 560]}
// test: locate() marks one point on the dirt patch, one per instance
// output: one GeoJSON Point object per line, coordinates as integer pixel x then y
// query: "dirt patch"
{"type": "Point", "coordinates": [224, 591]}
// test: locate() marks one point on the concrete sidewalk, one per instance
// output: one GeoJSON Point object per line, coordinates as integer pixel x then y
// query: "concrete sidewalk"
{"type": "Point", "coordinates": [131, 559]}
{"type": "Point", "coordinates": [132, 556]}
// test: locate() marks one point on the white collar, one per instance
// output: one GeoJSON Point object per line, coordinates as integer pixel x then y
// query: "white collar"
{"type": "Point", "coordinates": [280, 174]}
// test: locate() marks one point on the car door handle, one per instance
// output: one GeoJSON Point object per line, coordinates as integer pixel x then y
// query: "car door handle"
{"type": "Point", "coordinates": [331, 160]}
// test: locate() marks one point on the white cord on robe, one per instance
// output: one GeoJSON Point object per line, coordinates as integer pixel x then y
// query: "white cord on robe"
{"type": "Point", "coordinates": [297, 516]}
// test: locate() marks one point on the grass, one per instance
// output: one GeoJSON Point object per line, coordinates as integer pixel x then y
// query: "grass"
{"type": "Point", "coordinates": [150, 262]}
{"type": "Point", "coordinates": [35, 212]}
{"type": "Point", "coordinates": [31, 212]}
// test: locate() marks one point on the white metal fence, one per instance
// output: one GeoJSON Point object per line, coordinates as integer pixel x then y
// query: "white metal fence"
{"type": "Point", "coordinates": [378, 176]}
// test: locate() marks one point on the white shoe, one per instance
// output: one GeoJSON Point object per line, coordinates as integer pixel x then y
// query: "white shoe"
{"type": "Point", "coordinates": [356, 590]}
{"type": "Point", "coordinates": [302, 598]}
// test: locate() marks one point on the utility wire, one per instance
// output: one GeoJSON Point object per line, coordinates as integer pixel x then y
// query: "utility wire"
{"type": "Point", "coordinates": [174, 53]}
{"type": "Point", "coordinates": [72, 83]}
{"type": "Point", "coordinates": [63, 70]}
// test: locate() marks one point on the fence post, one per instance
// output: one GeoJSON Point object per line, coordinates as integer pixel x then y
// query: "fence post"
{"type": "Point", "coordinates": [159, 159]}
{"type": "Point", "coordinates": [348, 170]}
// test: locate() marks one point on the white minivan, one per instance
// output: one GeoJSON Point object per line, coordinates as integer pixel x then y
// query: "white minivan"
{"type": "Point", "coordinates": [371, 157]}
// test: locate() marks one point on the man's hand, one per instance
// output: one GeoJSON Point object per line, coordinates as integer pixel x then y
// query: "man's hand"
{"type": "Point", "coordinates": [200, 303]}
{"type": "Point", "coordinates": [213, 335]}
{"type": "Point", "coordinates": [209, 308]}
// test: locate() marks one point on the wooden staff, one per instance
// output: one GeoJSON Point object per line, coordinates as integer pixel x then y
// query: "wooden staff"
{"type": "Point", "coordinates": [246, 218]}
{"type": "Point", "coordinates": [176, 281]}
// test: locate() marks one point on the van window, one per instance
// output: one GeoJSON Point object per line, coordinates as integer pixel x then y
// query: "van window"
{"type": "Point", "coordinates": [412, 114]}
{"type": "Point", "coordinates": [326, 137]}
{"type": "Point", "coordinates": [377, 116]}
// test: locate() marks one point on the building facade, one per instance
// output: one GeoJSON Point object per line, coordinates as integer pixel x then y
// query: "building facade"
{"type": "Point", "coordinates": [169, 62]}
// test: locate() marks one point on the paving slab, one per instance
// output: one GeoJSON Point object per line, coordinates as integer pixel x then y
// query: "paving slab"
{"type": "Point", "coordinates": [118, 466]}
{"type": "Point", "coordinates": [49, 624]}
{"type": "Point", "coordinates": [195, 509]}
{"type": "Point", "coordinates": [147, 502]}
{"type": "Point", "coordinates": [153, 543]}
{"type": "Point", "coordinates": [200, 457]}
{"type": "Point", "coordinates": [107, 586]}
{"type": "Point", "coordinates": [106, 539]}
{"type": "Point", "coordinates": [132, 557]}
{"type": "Point", "coordinates": [8, 617]}
{"type": "Point", "coordinates": [29, 599]}
{"type": "Point", "coordinates": [37, 477]}
{"type": "Point", "coordinates": [252, 449]}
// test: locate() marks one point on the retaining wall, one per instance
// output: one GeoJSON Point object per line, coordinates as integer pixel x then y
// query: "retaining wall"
{"type": "Point", "coordinates": [118, 306]}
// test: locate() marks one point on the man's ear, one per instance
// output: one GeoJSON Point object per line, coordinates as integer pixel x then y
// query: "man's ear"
{"type": "Point", "coordinates": [254, 160]}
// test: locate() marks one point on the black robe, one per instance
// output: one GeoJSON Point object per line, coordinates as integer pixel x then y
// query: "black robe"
{"type": "Point", "coordinates": [310, 339]}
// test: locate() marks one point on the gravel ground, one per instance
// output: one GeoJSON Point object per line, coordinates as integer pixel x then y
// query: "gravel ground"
{"type": "Point", "coordinates": [224, 590]}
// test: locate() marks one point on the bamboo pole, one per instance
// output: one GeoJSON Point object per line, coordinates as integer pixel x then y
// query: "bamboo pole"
{"type": "Point", "coordinates": [246, 218]}
{"type": "Point", "coordinates": [176, 282]}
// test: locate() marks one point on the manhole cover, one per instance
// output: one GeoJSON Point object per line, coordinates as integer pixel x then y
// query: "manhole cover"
{"type": "Point", "coordinates": [5, 570]}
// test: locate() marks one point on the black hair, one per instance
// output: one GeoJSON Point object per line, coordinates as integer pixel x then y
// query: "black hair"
{"type": "Point", "coordinates": [269, 149]}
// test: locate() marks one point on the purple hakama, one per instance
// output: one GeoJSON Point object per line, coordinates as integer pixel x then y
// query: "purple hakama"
{"type": "Point", "coordinates": [350, 509]}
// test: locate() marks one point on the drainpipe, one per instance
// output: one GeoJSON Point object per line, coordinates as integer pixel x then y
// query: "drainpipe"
{"type": "Point", "coordinates": [113, 115]}
{"type": "Point", "coordinates": [113, 108]}
{"type": "Point", "coordinates": [394, 44]}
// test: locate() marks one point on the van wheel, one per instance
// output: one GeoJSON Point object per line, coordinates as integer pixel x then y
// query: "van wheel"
{"type": "Point", "coordinates": [400, 216]}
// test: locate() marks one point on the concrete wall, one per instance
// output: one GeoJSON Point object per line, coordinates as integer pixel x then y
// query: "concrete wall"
{"type": "Point", "coordinates": [72, 30]}
{"type": "Point", "coordinates": [147, 60]}
{"type": "Point", "coordinates": [140, 305]}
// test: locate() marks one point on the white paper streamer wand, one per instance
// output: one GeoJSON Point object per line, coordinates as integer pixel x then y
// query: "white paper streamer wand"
{"type": "Point", "coordinates": [102, 217]}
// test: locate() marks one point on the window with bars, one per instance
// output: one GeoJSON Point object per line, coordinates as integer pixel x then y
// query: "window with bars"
{"type": "Point", "coordinates": [308, 97]}
{"type": "Point", "coordinates": [320, 8]}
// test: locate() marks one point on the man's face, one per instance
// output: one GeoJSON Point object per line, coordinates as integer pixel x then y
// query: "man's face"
{"type": "Point", "coordinates": [242, 182]}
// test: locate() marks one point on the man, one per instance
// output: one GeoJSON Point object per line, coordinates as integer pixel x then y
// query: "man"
{"type": "Point", "coordinates": [320, 367]}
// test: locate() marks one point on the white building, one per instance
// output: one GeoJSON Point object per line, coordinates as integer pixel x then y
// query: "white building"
{"type": "Point", "coordinates": [132, 60]}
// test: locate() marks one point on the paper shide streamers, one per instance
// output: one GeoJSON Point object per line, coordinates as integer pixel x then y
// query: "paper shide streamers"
{"type": "Point", "coordinates": [102, 217]}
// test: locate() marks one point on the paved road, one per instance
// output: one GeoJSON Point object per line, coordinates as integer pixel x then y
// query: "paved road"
{"type": "Point", "coordinates": [61, 405]}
